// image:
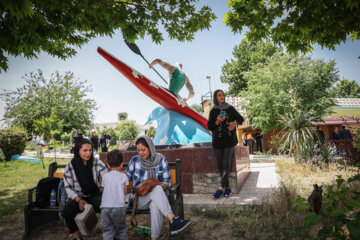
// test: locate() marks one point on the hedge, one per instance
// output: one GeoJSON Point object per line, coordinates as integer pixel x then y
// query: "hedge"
{"type": "Point", "coordinates": [13, 141]}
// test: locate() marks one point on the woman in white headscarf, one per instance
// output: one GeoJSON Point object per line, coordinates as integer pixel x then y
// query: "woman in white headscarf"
{"type": "Point", "coordinates": [150, 164]}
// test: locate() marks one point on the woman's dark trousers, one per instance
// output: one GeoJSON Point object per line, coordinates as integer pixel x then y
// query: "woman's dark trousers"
{"type": "Point", "coordinates": [71, 209]}
{"type": "Point", "coordinates": [223, 158]}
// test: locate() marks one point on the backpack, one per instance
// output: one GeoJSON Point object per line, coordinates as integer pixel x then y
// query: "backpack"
{"type": "Point", "coordinates": [43, 190]}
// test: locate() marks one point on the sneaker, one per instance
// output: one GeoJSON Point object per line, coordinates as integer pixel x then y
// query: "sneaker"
{"type": "Point", "coordinates": [227, 192]}
{"type": "Point", "coordinates": [218, 194]}
{"type": "Point", "coordinates": [178, 225]}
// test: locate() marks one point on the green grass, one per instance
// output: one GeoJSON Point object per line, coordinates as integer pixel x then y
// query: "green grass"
{"type": "Point", "coordinates": [305, 175]}
{"type": "Point", "coordinates": [15, 180]}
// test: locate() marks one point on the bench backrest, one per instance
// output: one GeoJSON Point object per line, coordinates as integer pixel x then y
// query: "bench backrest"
{"type": "Point", "coordinates": [174, 171]}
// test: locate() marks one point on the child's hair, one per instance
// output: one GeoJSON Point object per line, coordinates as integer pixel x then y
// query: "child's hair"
{"type": "Point", "coordinates": [115, 158]}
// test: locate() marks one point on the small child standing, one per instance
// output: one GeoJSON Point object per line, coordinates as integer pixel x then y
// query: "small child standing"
{"type": "Point", "coordinates": [113, 207]}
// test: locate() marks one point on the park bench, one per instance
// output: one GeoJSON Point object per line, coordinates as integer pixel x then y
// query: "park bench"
{"type": "Point", "coordinates": [37, 218]}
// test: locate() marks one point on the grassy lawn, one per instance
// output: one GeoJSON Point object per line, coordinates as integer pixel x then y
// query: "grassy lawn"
{"type": "Point", "coordinates": [16, 179]}
{"type": "Point", "coordinates": [276, 218]}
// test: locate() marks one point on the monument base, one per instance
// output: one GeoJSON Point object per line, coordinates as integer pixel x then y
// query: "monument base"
{"type": "Point", "coordinates": [199, 170]}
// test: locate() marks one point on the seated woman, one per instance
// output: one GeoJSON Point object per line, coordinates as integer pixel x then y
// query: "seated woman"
{"type": "Point", "coordinates": [82, 181]}
{"type": "Point", "coordinates": [150, 164]}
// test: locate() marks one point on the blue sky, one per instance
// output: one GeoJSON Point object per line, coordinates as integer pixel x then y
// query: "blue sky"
{"type": "Point", "coordinates": [202, 57]}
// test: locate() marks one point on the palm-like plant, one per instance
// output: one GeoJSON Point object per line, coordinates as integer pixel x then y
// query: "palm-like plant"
{"type": "Point", "coordinates": [296, 131]}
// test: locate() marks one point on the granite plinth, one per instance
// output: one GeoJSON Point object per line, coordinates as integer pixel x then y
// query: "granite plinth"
{"type": "Point", "coordinates": [199, 170]}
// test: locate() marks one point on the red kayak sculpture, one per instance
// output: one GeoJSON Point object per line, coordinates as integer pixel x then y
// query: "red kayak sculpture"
{"type": "Point", "coordinates": [159, 94]}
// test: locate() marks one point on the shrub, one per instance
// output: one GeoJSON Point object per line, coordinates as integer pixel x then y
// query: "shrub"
{"type": "Point", "coordinates": [31, 146]}
{"type": "Point", "coordinates": [13, 141]}
{"type": "Point", "coordinates": [340, 216]}
{"type": "Point", "coordinates": [67, 138]}
{"type": "Point", "coordinates": [127, 130]}
{"type": "Point", "coordinates": [111, 132]}
{"type": "Point", "coordinates": [152, 132]}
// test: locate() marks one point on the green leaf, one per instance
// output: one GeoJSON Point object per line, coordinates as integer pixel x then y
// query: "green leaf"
{"type": "Point", "coordinates": [339, 182]}
{"type": "Point", "coordinates": [352, 203]}
{"type": "Point", "coordinates": [312, 219]}
{"type": "Point", "coordinates": [354, 229]}
{"type": "Point", "coordinates": [302, 208]}
{"type": "Point", "coordinates": [338, 212]}
{"type": "Point", "coordinates": [299, 200]}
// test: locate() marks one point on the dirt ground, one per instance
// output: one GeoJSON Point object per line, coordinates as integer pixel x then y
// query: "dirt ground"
{"type": "Point", "coordinates": [200, 228]}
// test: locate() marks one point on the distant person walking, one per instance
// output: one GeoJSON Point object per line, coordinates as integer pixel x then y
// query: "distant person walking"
{"type": "Point", "coordinates": [223, 120]}
{"type": "Point", "coordinates": [258, 138]}
{"type": "Point", "coordinates": [319, 135]}
{"type": "Point", "coordinates": [77, 137]}
{"type": "Point", "coordinates": [244, 138]}
{"type": "Point", "coordinates": [251, 143]}
{"type": "Point", "coordinates": [336, 135]}
{"type": "Point", "coordinates": [104, 141]}
{"type": "Point", "coordinates": [94, 140]}
{"type": "Point", "coordinates": [336, 138]}
{"type": "Point", "coordinates": [345, 134]}
{"type": "Point", "coordinates": [346, 138]}
{"type": "Point", "coordinates": [177, 77]}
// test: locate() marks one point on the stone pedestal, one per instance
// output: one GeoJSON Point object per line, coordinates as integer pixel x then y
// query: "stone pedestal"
{"type": "Point", "coordinates": [199, 171]}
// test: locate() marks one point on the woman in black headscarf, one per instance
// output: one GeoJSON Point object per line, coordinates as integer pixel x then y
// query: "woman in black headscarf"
{"type": "Point", "coordinates": [223, 120]}
{"type": "Point", "coordinates": [82, 181]}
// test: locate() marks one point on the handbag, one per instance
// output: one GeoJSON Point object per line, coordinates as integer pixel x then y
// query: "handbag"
{"type": "Point", "coordinates": [141, 190]}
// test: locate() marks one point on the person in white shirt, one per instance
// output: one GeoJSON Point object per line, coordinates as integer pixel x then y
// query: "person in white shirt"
{"type": "Point", "coordinates": [113, 206]}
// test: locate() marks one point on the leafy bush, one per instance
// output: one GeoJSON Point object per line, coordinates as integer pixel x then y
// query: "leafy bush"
{"type": "Point", "coordinates": [111, 132]}
{"type": "Point", "coordinates": [152, 132]}
{"type": "Point", "coordinates": [317, 152]}
{"type": "Point", "coordinates": [67, 138]}
{"type": "Point", "coordinates": [275, 142]}
{"type": "Point", "coordinates": [31, 146]}
{"type": "Point", "coordinates": [127, 130]}
{"type": "Point", "coordinates": [296, 132]}
{"type": "Point", "coordinates": [13, 141]}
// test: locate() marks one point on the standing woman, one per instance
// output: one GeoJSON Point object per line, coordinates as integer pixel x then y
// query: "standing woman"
{"type": "Point", "coordinates": [82, 181]}
{"type": "Point", "coordinates": [150, 164]}
{"type": "Point", "coordinates": [222, 122]}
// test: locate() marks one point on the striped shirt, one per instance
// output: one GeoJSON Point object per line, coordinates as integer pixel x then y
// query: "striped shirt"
{"type": "Point", "coordinates": [71, 183]}
{"type": "Point", "coordinates": [138, 175]}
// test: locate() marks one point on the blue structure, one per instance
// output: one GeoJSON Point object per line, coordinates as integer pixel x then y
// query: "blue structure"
{"type": "Point", "coordinates": [173, 127]}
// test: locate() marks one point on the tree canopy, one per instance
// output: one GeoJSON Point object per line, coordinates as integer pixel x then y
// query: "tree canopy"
{"type": "Point", "coordinates": [296, 24]}
{"type": "Point", "coordinates": [127, 129]}
{"type": "Point", "coordinates": [58, 27]}
{"type": "Point", "coordinates": [197, 107]}
{"type": "Point", "coordinates": [287, 84]}
{"type": "Point", "coordinates": [49, 126]}
{"type": "Point", "coordinates": [122, 116]}
{"type": "Point", "coordinates": [246, 56]}
{"type": "Point", "coordinates": [32, 105]}
{"type": "Point", "coordinates": [346, 89]}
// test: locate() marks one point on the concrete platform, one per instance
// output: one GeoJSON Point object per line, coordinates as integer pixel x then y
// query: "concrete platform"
{"type": "Point", "coordinates": [260, 183]}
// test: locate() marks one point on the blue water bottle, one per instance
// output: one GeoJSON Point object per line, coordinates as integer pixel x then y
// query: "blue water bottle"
{"type": "Point", "coordinates": [53, 199]}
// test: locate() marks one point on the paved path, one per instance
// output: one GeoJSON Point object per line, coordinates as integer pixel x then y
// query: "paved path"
{"type": "Point", "coordinates": [261, 182]}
